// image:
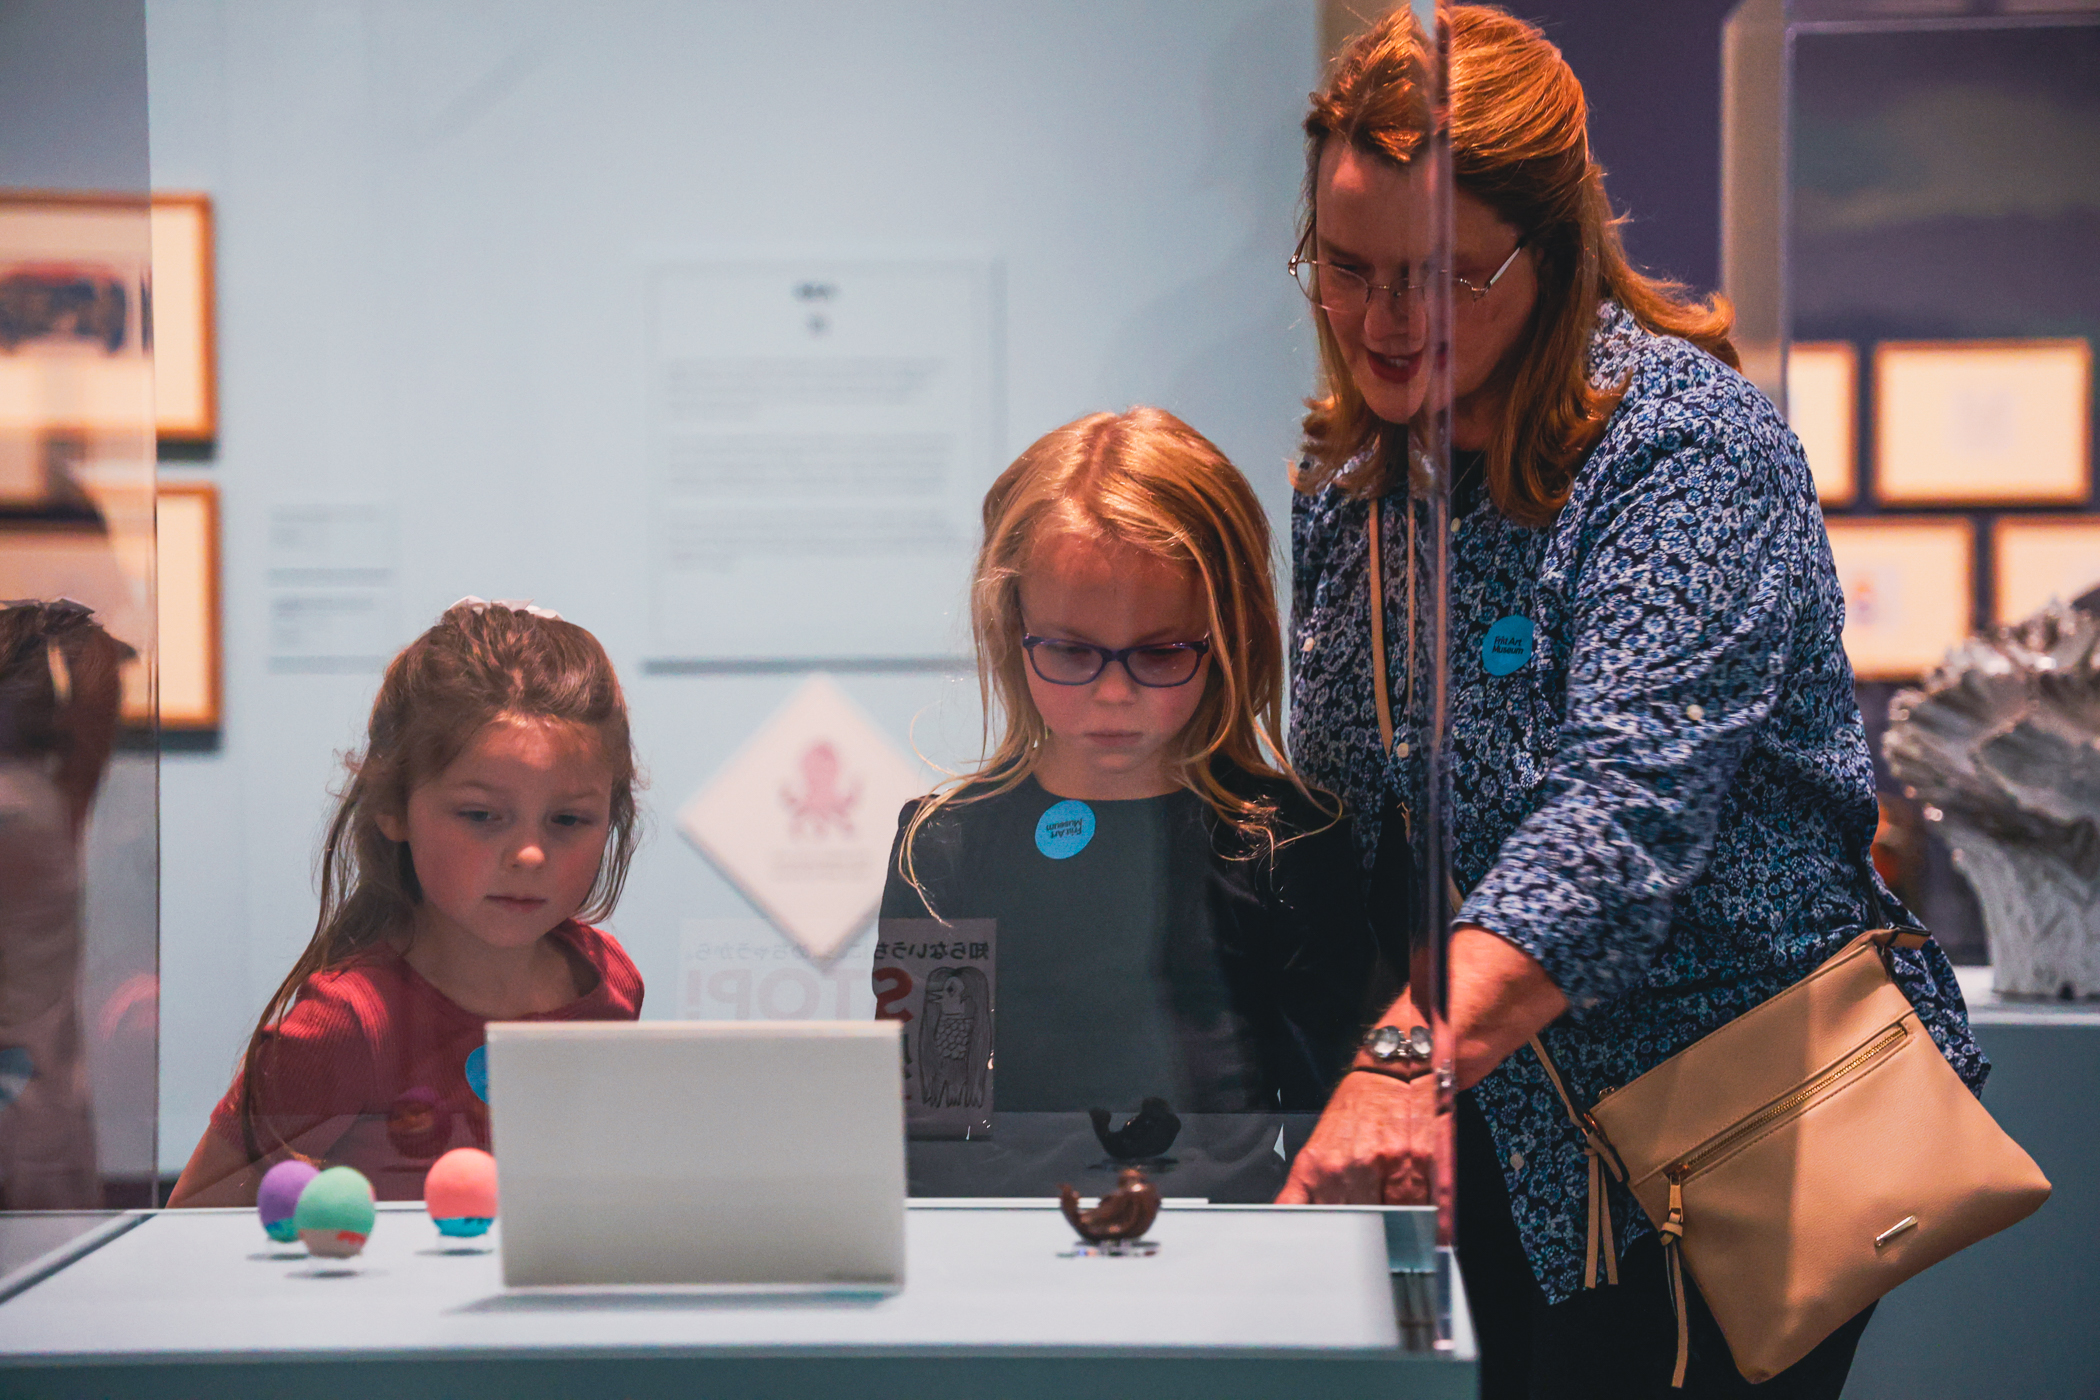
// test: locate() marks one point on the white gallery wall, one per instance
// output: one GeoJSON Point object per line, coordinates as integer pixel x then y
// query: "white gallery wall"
{"type": "Point", "coordinates": [438, 223]}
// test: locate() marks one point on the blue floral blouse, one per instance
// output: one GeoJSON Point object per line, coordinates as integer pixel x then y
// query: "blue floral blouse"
{"type": "Point", "coordinates": [1661, 784]}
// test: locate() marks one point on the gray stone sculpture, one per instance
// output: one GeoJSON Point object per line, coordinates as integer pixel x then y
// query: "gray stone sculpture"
{"type": "Point", "coordinates": [2002, 746]}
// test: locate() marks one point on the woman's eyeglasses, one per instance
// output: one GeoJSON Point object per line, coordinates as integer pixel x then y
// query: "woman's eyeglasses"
{"type": "Point", "coordinates": [1341, 291]}
{"type": "Point", "coordinates": [1161, 666]}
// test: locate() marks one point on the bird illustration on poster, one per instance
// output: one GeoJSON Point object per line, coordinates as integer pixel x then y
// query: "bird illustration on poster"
{"type": "Point", "coordinates": [955, 1038]}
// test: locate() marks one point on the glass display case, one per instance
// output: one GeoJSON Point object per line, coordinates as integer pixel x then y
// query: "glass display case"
{"type": "Point", "coordinates": [79, 811]}
{"type": "Point", "coordinates": [735, 410]}
{"type": "Point", "coordinates": [1908, 223]}
{"type": "Point", "coordinates": [801, 481]}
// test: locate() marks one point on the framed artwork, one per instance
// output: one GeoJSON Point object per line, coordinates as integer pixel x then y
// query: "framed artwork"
{"type": "Point", "coordinates": [189, 638]}
{"type": "Point", "coordinates": [82, 558]}
{"type": "Point", "coordinates": [182, 326]}
{"type": "Point", "coordinates": [2039, 558]}
{"type": "Point", "coordinates": [1908, 591]}
{"type": "Point", "coordinates": [106, 326]}
{"type": "Point", "coordinates": [1983, 422]}
{"type": "Point", "coordinates": [76, 377]}
{"type": "Point", "coordinates": [86, 560]}
{"type": "Point", "coordinates": [1822, 399]}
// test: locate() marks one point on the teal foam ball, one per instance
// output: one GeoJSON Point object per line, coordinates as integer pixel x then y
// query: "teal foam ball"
{"type": "Point", "coordinates": [335, 1213]}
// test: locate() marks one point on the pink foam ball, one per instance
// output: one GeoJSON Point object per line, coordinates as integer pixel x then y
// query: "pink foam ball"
{"type": "Point", "coordinates": [461, 1185]}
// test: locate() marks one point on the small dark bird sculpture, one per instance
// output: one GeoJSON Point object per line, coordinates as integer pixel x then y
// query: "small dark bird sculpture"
{"type": "Point", "coordinates": [1124, 1214]}
{"type": "Point", "coordinates": [1149, 1134]}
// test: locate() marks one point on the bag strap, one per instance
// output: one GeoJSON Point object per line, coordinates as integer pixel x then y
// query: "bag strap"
{"type": "Point", "coordinates": [1378, 682]}
{"type": "Point", "coordinates": [1888, 933]}
{"type": "Point", "coordinates": [1601, 1155]}
{"type": "Point", "coordinates": [1379, 686]}
{"type": "Point", "coordinates": [1599, 1236]}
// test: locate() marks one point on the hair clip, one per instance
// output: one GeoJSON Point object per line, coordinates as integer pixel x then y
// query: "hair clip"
{"type": "Point", "coordinates": [55, 607]}
{"type": "Point", "coordinates": [523, 605]}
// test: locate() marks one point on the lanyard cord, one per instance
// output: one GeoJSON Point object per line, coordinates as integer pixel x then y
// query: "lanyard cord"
{"type": "Point", "coordinates": [1378, 651]}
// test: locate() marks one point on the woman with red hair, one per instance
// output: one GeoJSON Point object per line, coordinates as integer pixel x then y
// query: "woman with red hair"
{"type": "Point", "coordinates": [1661, 799]}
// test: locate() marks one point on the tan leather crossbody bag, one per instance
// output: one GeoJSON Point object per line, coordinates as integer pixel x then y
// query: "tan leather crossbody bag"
{"type": "Point", "coordinates": [1803, 1159]}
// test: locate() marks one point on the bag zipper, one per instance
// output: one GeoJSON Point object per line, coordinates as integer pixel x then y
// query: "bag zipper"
{"type": "Point", "coordinates": [1828, 967]}
{"type": "Point", "coordinates": [1685, 1168]}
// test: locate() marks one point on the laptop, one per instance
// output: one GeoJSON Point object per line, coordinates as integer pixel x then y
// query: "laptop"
{"type": "Point", "coordinates": [734, 1154]}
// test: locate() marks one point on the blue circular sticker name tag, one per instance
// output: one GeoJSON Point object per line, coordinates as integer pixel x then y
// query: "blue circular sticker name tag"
{"type": "Point", "coordinates": [1063, 831]}
{"type": "Point", "coordinates": [1507, 645]}
{"type": "Point", "coordinates": [478, 1072]}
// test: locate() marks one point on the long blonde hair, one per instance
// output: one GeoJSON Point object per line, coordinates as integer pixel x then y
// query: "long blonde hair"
{"type": "Point", "coordinates": [481, 662]}
{"type": "Point", "coordinates": [1520, 145]}
{"type": "Point", "coordinates": [1149, 481]}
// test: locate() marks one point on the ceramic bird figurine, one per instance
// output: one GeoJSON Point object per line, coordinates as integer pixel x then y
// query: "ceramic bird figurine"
{"type": "Point", "coordinates": [1149, 1134]}
{"type": "Point", "coordinates": [1125, 1213]}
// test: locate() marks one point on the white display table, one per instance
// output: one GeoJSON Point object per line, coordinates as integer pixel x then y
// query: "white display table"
{"type": "Point", "coordinates": [1238, 1301]}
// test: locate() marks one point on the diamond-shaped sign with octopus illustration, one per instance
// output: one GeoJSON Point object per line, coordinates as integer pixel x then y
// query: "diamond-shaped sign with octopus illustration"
{"type": "Point", "coordinates": [802, 817]}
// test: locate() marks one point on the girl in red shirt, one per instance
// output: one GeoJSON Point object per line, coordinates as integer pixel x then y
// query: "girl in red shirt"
{"type": "Point", "coordinates": [489, 819]}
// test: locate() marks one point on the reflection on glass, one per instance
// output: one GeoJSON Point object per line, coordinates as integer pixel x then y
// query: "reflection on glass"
{"type": "Point", "coordinates": [59, 695]}
{"type": "Point", "coordinates": [1371, 612]}
{"type": "Point", "coordinates": [78, 811]}
{"type": "Point", "coordinates": [1753, 183]}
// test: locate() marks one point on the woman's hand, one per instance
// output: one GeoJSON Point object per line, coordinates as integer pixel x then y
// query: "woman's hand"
{"type": "Point", "coordinates": [1499, 1000]}
{"type": "Point", "coordinates": [1377, 1144]}
{"type": "Point", "coordinates": [1379, 1140]}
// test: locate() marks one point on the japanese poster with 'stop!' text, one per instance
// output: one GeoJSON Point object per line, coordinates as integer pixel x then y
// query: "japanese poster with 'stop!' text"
{"type": "Point", "coordinates": [940, 980]}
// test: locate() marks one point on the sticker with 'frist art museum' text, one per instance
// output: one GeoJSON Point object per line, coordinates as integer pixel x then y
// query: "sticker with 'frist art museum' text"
{"type": "Point", "coordinates": [1064, 830]}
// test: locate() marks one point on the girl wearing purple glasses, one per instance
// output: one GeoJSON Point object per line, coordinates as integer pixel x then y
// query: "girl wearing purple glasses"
{"type": "Point", "coordinates": [1178, 916]}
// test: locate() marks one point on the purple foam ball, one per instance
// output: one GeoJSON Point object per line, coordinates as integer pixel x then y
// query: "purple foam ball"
{"type": "Point", "coordinates": [279, 1197]}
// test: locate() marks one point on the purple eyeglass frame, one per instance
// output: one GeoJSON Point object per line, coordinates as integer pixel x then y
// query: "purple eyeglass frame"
{"type": "Point", "coordinates": [1030, 641]}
